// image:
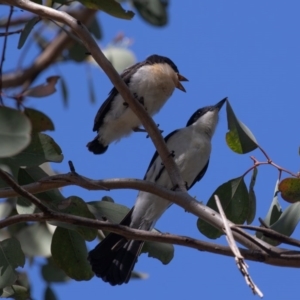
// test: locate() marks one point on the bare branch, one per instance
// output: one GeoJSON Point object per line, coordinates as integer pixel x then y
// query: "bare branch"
{"type": "Point", "coordinates": [239, 259]}
{"type": "Point", "coordinates": [18, 189]}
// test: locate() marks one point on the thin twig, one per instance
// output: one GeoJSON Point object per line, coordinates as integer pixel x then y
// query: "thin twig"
{"type": "Point", "coordinates": [270, 233]}
{"type": "Point", "coordinates": [239, 259]}
{"type": "Point", "coordinates": [10, 33]}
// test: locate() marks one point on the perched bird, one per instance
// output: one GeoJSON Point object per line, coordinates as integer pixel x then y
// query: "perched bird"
{"type": "Point", "coordinates": [113, 258]}
{"type": "Point", "coordinates": [152, 82]}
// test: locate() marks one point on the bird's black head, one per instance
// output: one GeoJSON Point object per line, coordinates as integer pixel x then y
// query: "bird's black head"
{"type": "Point", "coordinates": [202, 111]}
{"type": "Point", "coordinates": [156, 59]}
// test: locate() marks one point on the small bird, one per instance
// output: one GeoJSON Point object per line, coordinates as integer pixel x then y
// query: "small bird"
{"type": "Point", "coordinates": [114, 257]}
{"type": "Point", "coordinates": [152, 82]}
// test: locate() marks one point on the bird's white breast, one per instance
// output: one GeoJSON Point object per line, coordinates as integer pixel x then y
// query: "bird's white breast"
{"type": "Point", "coordinates": [192, 150]}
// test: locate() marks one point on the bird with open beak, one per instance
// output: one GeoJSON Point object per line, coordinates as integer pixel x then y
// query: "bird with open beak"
{"type": "Point", "coordinates": [151, 82]}
{"type": "Point", "coordinates": [113, 259]}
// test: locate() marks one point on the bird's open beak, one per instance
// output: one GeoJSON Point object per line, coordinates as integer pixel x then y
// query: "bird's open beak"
{"type": "Point", "coordinates": [179, 85]}
{"type": "Point", "coordinates": [221, 103]}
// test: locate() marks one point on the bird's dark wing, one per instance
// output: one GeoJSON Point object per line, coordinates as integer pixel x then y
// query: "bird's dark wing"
{"type": "Point", "coordinates": [200, 175]}
{"type": "Point", "coordinates": [156, 155]}
{"type": "Point", "coordinates": [106, 105]}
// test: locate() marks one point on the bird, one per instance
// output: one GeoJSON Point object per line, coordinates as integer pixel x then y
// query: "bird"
{"type": "Point", "coordinates": [152, 82]}
{"type": "Point", "coordinates": [113, 259]}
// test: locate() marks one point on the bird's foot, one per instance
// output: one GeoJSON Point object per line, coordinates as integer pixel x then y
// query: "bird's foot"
{"type": "Point", "coordinates": [138, 129]}
{"type": "Point", "coordinates": [176, 187]}
{"type": "Point", "coordinates": [172, 153]}
{"type": "Point", "coordinates": [161, 131]}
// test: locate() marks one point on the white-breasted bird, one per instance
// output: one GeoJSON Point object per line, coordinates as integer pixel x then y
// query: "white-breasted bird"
{"type": "Point", "coordinates": [152, 82]}
{"type": "Point", "coordinates": [113, 258]}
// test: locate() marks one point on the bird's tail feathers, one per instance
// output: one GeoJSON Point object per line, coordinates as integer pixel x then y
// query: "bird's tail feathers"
{"type": "Point", "coordinates": [113, 259]}
{"type": "Point", "coordinates": [96, 146]}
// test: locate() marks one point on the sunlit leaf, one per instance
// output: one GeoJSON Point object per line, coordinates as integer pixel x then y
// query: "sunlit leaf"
{"type": "Point", "coordinates": [42, 90]}
{"type": "Point", "coordinates": [234, 199]}
{"type": "Point", "coordinates": [290, 189]}
{"type": "Point", "coordinates": [11, 257]}
{"type": "Point", "coordinates": [111, 7]}
{"type": "Point", "coordinates": [252, 198]}
{"type": "Point", "coordinates": [39, 121]}
{"type": "Point", "coordinates": [153, 11]}
{"type": "Point", "coordinates": [120, 57]}
{"type": "Point", "coordinates": [239, 138]}
{"type": "Point", "coordinates": [15, 131]}
{"type": "Point", "coordinates": [35, 240]}
{"type": "Point", "coordinates": [26, 31]}
{"type": "Point", "coordinates": [76, 206]}
{"type": "Point", "coordinates": [15, 292]}
{"type": "Point", "coordinates": [70, 254]}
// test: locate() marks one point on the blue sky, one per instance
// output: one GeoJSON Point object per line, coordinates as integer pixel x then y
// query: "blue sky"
{"type": "Point", "coordinates": [247, 51]}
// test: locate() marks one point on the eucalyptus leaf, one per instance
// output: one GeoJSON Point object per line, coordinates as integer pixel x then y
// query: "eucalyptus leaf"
{"type": "Point", "coordinates": [234, 199]}
{"type": "Point", "coordinates": [76, 206]}
{"type": "Point", "coordinates": [111, 7]}
{"type": "Point", "coordinates": [11, 257]}
{"type": "Point", "coordinates": [275, 210]}
{"type": "Point", "coordinates": [35, 240]}
{"type": "Point", "coordinates": [70, 254]}
{"type": "Point", "coordinates": [16, 292]}
{"type": "Point", "coordinates": [239, 138]}
{"type": "Point", "coordinates": [15, 131]}
{"type": "Point", "coordinates": [64, 91]}
{"type": "Point", "coordinates": [153, 11]}
{"type": "Point", "coordinates": [252, 198]}
{"type": "Point", "coordinates": [95, 28]}
{"type": "Point", "coordinates": [51, 273]}
{"type": "Point", "coordinates": [39, 121]}
{"type": "Point", "coordinates": [26, 31]}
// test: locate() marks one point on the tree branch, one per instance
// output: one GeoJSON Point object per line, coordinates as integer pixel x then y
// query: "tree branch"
{"type": "Point", "coordinates": [291, 259]}
{"type": "Point", "coordinates": [180, 198]}
{"type": "Point", "coordinates": [93, 48]}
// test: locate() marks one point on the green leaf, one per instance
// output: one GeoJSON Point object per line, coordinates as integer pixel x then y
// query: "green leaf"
{"type": "Point", "coordinates": [15, 292]}
{"type": "Point", "coordinates": [161, 251]}
{"type": "Point", "coordinates": [287, 222]}
{"type": "Point", "coordinates": [275, 210]}
{"type": "Point", "coordinates": [15, 131]}
{"type": "Point", "coordinates": [153, 11]}
{"type": "Point", "coordinates": [35, 240]}
{"type": "Point", "coordinates": [290, 189]}
{"type": "Point", "coordinates": [41, 149]}
{"type": "Point", "coordinates": [252, 198]}
{"type": "Point", "coordinates": [78, 53]}
{"type": "Point", "coordinates": [91, 89]}
{"type": "Point", "coordinates": [50, 198]}
{"type": "Point", "coordinates": [239, 138]}
{"type": "Point", "coordinates": [111, 7]}
{"type": "Point", "coordinates": [64, 90]}
{"type": "Point", "coordinates": [95, 29]}
{"type": "Point", "coordinates": [39, 121]}
{"type": "Point", "coordinates": [51, 273]}
{"type": "Point", "coordinates": [234, 199]}
{"type": "Point", "coordinates": [49, 294]}
{"type": "Point", "coordinates": [114, 213]}
{"type": "Point", "coordinates": [70, 254]}
{"type": "Point", "coordinates": [120, 57]}
{"type": "Point", "coordinates": [11, 257]}
{"type": "Point", "coordinates": [26, 31]}
{"type": "Point", "coordinates": [76, 206]}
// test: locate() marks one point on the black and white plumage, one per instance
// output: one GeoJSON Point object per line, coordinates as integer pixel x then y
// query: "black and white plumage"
{"type": "Point", "coordinates": [113, 258]}
{"type": "Point", "coordinates": [152, 82]}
